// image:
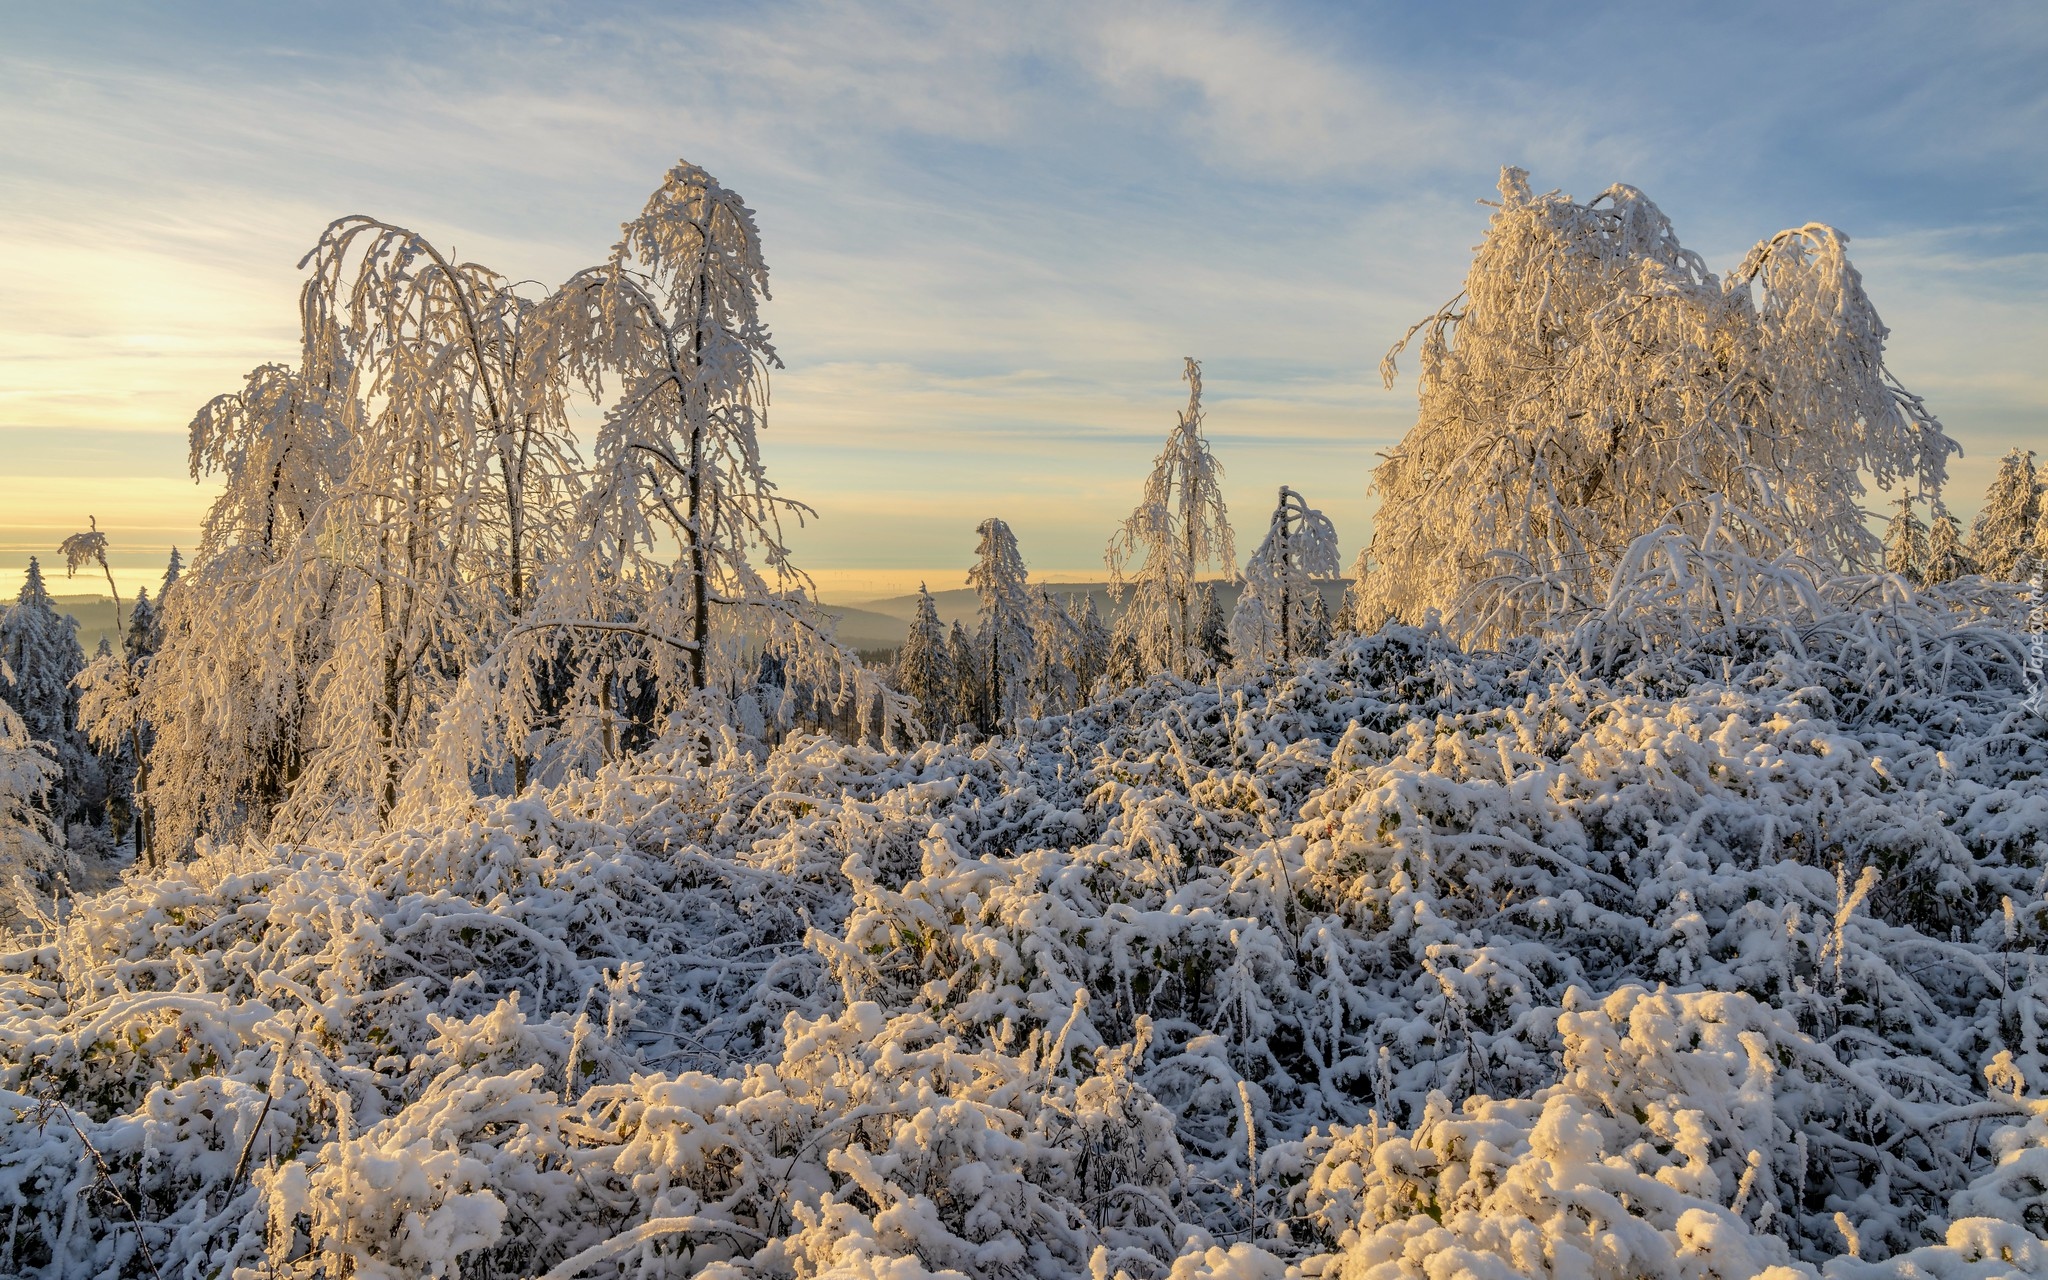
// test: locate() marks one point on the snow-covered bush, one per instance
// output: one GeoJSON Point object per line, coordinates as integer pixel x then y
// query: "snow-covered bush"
{"type": "Point", "coordinates": [1699, 939]}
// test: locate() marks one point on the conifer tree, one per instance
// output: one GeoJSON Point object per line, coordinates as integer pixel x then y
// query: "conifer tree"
{"type": "Point", "coordinates": [1596, 382]}
{"type": "Point", "coordinates": [1179, 528]}
{"type": "Point", "coordinates": [1091, 649]}
{"type": "Point", "coordinates": [969, 689]}
{"type": "Point", "coordinates": [1316, 629]}
{"type": "Point", "coordinates": [1055, 686]}
{"type": "Point", "coordinates": [2005, 525]}
{"type": "Point", "coordinates": [31, 844]}
{"type": "Point", "coordinates": [1947, 557]}
{"type": "Point", "coordinates": [1349, 621]}
{"type": "Point", "coordinates": [924, 669]}
{"type": "Point", "coordinates": [142, 628]}
{"type": "Point", "coordinates": [1007, 650]}
{"type": "Point", "coordinates": [1905, 544]}
{"type": "Point", "coordinates": [173, 570]}
{"type": "Point", "coordinates": [1213, 633]}
{"type": "Point", "coordinates": [39, 650]}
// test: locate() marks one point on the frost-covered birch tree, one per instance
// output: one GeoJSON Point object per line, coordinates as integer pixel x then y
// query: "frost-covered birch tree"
{"type": "Point", "coordinates": [1595, 381]}
{"type": "Point", "coordinates": [1274, 613]}
{"type": "Point", "coordinates": [1006, 646]}
{"type": "Point", "coordinates": [657, 579]}
{"type": "Point", "coordinates": [412, 572]}
{"type": "Point", "coordinates": [453, 487]}
{"type": "Point", "coordinates": [225, 701]}
{"type": "Point", "coordinates": [1179, 528]}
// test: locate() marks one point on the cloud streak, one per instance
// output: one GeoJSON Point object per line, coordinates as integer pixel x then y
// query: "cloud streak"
{"type": "Point", "coordinates": [996, 229]}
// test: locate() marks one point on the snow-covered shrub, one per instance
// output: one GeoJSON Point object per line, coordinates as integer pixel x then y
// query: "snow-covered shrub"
{"type": "Point", "coordinates": [1685, 943]}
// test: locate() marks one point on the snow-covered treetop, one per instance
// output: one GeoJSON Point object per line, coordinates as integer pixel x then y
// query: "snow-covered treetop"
{"type": "Point", "coordinates": [2005, 525]}
{"type": "Point", "coordinates": [1595, 381]}
{"type": "Point", "coordinates": [1280, 594]}
{"type": "Point", "coordinates": [1179, 528]}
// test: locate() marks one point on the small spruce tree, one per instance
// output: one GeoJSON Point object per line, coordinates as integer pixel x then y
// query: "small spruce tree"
{"type": "Point", "coordinates": [2005, 524]}
{"type": "Point", "coordinates": [39, 649]}
{"type": "Point", "coordinates": [1316, 628]}
{"type": "Point", "coordinates": [1214, 632]}
{"type": "Point", "coordinates": [924, 669]}
{"type": "Point", "coordinates": [1947, 558]}
{"type": "Point", "coordinates": [1007, 644]}
{"type": "Point", "coordinates": [969, 693]}
{"type": "Point", "coordinates": [1905, 544]}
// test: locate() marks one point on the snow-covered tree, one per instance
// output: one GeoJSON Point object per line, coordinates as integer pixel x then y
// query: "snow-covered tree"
{"type": "Point", "coordinates": [141, 637]}
{"type": "Point", "coordinates": [1091, 648]}
{"type": "Point", "coordinates": [1274, 612]}
{"type": "Point", "coordinates": [1595, 381]}
{"type": "Point", "coordinates": [1179, 528]}
{"type": "Point", "coordinates": [1006, 648]}
{"type": "Point", "coordinates": [1905, 543]}
{"type": "Point", "coordinates": [2004, 527]}
{"type": "Point", "coordinates": [970, 691]}
{"type": "Point", "coordinates": [1947, 557]}
{"type": "Point", "coordinates": [1212, 633]}
{"type": "Point", "coordinates": [87, 549]}
{"type": "Point", "coordinates": [412, 572]}
{"type": "Point", "coordinates": [658, 577]}
{"type": "Point", "coordinates": [31, 847]}
{"type": "Point", "coordinates": [40, 648]}
{"type": "Point", "coordinates": [1056, 637]}
{"type": "Point", "coordinates": [451, 489]}
{"type": "Point", "coordinates": [174, 568]}
{"type": "Point", "coordinates": [924, 669]}
{"type": "Point", "coordinates": [1317, 631]}
{"type": "Point", "coordinates": [226, 699]}
{"type": "Point", "coordinates": [1347, 622]}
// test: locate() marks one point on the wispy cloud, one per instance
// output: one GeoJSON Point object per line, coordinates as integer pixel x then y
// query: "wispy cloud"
{"type": "Point", "coordinates": [995, 229]}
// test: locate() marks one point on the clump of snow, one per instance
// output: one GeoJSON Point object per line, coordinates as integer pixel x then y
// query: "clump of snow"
{"type": "Point", "coordinates": [1689, 943]}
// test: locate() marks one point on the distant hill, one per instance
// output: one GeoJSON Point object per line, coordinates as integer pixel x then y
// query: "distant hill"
{"type": "Point", "coordinates": [95, 616]}
{"type": "Point", "coordinates": [962, 605]}
{"type": "Point", "coordinates": [866, 629]}
{"type": "Point", "coordinates": [865, 624]}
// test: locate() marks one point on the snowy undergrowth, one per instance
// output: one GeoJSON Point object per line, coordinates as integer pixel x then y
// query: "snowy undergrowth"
{"type": "Point", "coordinates": [1683, 955]}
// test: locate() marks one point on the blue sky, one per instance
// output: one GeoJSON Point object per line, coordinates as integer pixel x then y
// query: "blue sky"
{"type": "Point", "coordinates": [994, 230]}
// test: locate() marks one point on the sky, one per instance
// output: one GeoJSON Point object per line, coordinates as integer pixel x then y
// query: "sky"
{"type": "Point", "coordinates": [993, 230]}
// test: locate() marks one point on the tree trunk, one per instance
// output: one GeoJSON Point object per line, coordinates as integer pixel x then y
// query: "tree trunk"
{"type": "Point", "coordinates": [700, 594]}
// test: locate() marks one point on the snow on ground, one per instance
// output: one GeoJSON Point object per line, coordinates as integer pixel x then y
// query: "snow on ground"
{"type": "Point", "coordinates": [1717, 957]}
